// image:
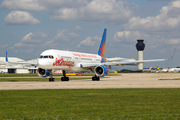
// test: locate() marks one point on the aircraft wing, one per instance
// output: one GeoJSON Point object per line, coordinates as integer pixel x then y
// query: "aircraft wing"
{"type": "Point", "coordinates": [121, 63]}
{"type": "Point", "coordinates": [118, 59]}
{"type": "Point", "coordinates": [132, 62]}
{"type": "Point", "coordinates": [27, 63]}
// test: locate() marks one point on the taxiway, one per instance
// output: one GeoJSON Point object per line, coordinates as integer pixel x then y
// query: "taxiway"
{"type": "Point", "coordinates": [126, 80]}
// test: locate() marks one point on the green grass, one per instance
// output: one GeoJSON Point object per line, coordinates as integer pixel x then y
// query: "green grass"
{"type": "Point", "coordinates": [18, 75]}
{"type": "Point", "coordinates": [81, 103]}
{"type": "Point", "coordinates": [25, 77]}
{"type": "Point", "coordinates": [171, 79]}
{"type": "Point", "coordinates": [38, 79]}
{"type": "Point", "coordinates": [55, 74]}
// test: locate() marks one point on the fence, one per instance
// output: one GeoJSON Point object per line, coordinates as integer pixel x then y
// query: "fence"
{"type": "Point", "coordinates": [126, 117]}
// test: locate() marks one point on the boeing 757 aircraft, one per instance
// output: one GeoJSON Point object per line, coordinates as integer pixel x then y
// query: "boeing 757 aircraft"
{"type": "Point", "coordinates": [79, 62]}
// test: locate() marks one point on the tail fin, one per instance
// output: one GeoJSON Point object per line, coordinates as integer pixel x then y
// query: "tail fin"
{"type": "Point", "coordinates": [101, 50]}
{"type": "Point", "coordinates": [6, 57]}
{"type": "Point", "coordinates": [151, 68]}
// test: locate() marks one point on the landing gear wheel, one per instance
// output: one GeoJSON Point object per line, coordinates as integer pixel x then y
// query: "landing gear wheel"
{"type": "Point", "coordinates": [95, 78]}
{"type": "Point", "coordinates": [64, 78]}
{"type": "Point", "coordinates": [51, 79]}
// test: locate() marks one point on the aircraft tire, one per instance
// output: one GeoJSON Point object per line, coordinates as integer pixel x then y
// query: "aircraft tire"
{"type": "Point", "coordinates": [64, 78]}
{"type": "Point", "coordinates": [51, 79]}
{"type": "Point", "coordinates": [95, 79]}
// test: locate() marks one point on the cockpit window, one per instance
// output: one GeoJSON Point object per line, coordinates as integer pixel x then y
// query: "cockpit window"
{"type": "Point", "coordinates": [41, 56]}
{"type": "Point", "coordinates": [51, 57]}
{"type": "Point", "coordinates": [47, 56]}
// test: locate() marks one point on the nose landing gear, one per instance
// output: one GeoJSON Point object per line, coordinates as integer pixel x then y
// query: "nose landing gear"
{"type": "Point", "coordinates": [51, 79]}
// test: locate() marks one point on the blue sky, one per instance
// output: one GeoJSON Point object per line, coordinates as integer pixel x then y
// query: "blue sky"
{"type": "Point", "coordinates": [28, 27]}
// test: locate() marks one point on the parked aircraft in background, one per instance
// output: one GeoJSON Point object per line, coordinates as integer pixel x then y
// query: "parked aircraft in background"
{"type": "Point", "coordinates": [148, 70]}
{"type": "Point", "coordinates": [165, 70]}
{"type": "Point", "coordinates": [174, 69]}
{"type": "Point", "coordinates": [80, 62]}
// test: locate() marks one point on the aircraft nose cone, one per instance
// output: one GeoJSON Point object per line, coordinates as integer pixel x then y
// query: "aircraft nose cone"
{"type": "Point", "coordinates": [43, 63]}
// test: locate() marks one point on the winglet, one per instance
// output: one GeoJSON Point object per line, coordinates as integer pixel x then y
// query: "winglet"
{"type": "Point", "coordinates": [6, 57]}
{"type": "Point", "coordinates": [101, 50]}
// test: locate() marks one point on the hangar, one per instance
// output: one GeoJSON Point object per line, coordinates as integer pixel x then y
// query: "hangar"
{"type": "Point", "coordinates": [17, 68]}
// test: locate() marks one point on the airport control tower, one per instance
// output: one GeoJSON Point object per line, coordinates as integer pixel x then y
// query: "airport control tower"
{"type": "Point", "coordinates": [140, 47]}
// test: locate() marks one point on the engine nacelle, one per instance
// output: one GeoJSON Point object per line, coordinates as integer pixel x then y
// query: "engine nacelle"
{"type": "Point", "coordinates": [42, 72]}
{"type": "Point", "coordinates": [101, 71]}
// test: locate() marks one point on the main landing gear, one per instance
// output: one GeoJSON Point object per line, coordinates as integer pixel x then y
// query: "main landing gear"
{"type": "Point", "coordinates": [51, 79]}
{"type": "Point", "coordinates": [95, 78]}
{"type": "Point", "coordinates": [64, 78]}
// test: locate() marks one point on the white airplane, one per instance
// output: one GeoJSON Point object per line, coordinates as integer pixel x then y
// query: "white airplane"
{"type": "Point", "coordinates": [148, 70]}
{"type": "Point", "coordinates": [79, 62]}
{"type": "Point", "coordinates": [174, 69]}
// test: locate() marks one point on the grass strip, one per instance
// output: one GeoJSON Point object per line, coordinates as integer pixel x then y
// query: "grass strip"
{"type": "Point", "coordinates": [55, 74]}
{"type": "Point", "coordinates": [171, 79]}
{"type": "Point", "coordinates": [81, 103]}
{"type": "Point", "coordinates": [38, 79]}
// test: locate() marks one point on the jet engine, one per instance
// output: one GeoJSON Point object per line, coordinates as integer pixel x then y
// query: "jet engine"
{"type": "Point", "coordinates": [101, 71]}
{"type": "Point", "coordinates": [42, 72]}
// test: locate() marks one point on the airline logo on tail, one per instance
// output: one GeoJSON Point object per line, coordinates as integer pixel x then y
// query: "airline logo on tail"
{"type": "Point", "coordinates": [102, 45]}
{"type": "Point", "coordinates": [101, 50]}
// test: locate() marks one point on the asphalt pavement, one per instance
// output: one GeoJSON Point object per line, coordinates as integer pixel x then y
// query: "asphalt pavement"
{"type": "Point", "coordinates": [125, 80]}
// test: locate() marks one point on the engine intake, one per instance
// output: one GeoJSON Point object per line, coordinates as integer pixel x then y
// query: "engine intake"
{"type": "Point", "coordinates": [42, 72]}
{"type": "Point", "coordinates": [101, 71]}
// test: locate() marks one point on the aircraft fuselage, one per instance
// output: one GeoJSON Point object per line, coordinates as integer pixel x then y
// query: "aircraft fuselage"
{"type": "Point", "coordinates": [66, 60]}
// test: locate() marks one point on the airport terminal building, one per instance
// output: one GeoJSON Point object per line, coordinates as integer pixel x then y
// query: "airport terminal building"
{"type": "Point", "coordinates": [17, 68]}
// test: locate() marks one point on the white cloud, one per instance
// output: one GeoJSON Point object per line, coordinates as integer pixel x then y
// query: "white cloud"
{"type": "Point", "coordinates": [27, 37]}
{"type": "Point", "coordinates": [113, 11]}
{"type": "Point", "coordinates": [41, 5]}
{"type": "Point", "coordinates": [31, 5]}
{"type": "Point", "coordinates": [4, 46]}
{"type": "Point", "coordinates": [89, 41]}
{"type": "Point", "coordinates": [32, 40]}
{"type": "Point", "coordinates": [168, 18]}
{"type": "Point", "coordinates": [78, 28]}
{"type": "Point", "coordinates": [20, 17]}
{"type": "Point", "coordinates": [95, 10]}
{"type": "Point", "coordinates": [63, 37]}
{"type": "Point", "coordinates": [173, 41]}
{"type": "Point", "coordinates": [129, 36]}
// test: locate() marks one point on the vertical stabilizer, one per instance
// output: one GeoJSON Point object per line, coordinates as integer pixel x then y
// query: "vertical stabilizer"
{"type": "Point", "coordinates": [6, 57]}
{"type": "Point", "coordinates": [101, 50]}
